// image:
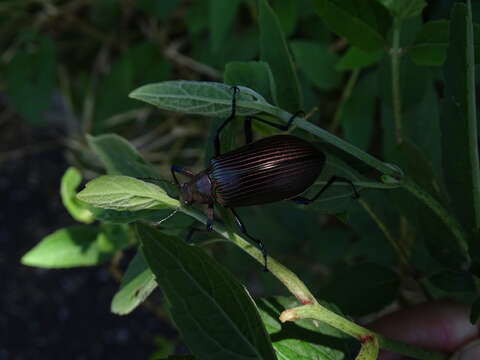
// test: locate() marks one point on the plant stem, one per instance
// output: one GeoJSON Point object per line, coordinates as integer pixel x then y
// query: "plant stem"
{"type": "Point", "coordinates": [438, 209]}
{"type": "Point", "coordinates": [396, 94]}
{"type": "Point", "coordinates": [318, 312]}
{"type": "Point", "coordinates": [472, 116]}
{"type": "Point", "coordinates": [347, 92]}
{"type": "Point", "coordinates": [311, 308]}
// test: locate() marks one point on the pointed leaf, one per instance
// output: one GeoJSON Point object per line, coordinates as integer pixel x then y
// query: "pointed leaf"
{"type": "Point", "coordinates": [213, 311]}
{"type": "Point", "coordinates": [68, 190]}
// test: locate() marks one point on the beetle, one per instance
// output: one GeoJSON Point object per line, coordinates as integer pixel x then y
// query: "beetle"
{"type": "Point", "coordinates": [274, 168]}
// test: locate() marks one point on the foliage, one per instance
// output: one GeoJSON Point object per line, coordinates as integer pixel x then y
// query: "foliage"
{"type": "Point", "coordinates": [392, 80]}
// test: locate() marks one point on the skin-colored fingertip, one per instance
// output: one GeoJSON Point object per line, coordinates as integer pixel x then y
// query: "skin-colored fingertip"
{"type": "Point", "coordinates": [288, 315]}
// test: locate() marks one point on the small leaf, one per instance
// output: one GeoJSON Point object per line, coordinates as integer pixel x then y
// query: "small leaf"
{"type": "Point", "coordinates": [363, 23]}
{"type": "Point", "coordinates": [431, 43]}
{"type": "Point", "coordinates": [255, 75]}
{"type": "Point", "coordinates": [404, 9]}
{"type": "Point", "coordinates": [70, 181]}
{"type": "Point", "coordinates": [356, 58]}
{"type": "Point", "coordinates": [70, 247]}
{"type": "Point", "coordinates": [213, 311]}
{"type": "Point", "coordinates": [273, 50]}
{"type": "Point", "coordinates": [318, 63]}
{"type": "Point", "coordinates": [197, 97]}
{"type": "Point", "coordinates": [137, 284]}
{"type": "Point", "coordinates": [454, 281]}
{"type": "Point", "coordinates": [125, 193]}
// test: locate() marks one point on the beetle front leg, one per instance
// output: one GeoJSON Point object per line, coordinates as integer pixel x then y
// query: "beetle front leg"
{"type": "Point", "coordinates": [227, 120]}
{"type": "Point", "coordinates": [174, 169]}
{"type": "Point", "coordinates": [306, 201]}
{"type": "Point", "coordinates": [259, 243]}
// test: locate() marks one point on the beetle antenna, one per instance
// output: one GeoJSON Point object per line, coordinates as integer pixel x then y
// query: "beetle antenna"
{"type": "Point", "coordinates": [168, 216]}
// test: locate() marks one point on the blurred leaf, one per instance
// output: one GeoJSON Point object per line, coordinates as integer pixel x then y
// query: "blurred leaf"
{"type": "Point", "coordinates": [363, 23]}
{"type": "Point", "coordinates": [255, 75]}
{"type": "Point", "coordinates": [454, 281]}
{"type": "Point", "coordinates": [137, 284]}
{"type": "Point", "coordinates": [318, 63]}
{"type": "Point", "coordinates": [356, 58]}
{"type": "Point", "coordinates": [68, 190]}
{"type": "Point", "coordinates": [196, 97]}
{"type": "Point", "coordinates": [73, 246]}
{"type": "Point", "coordinates": [212, 310]}
{"type": "Point", "coordinates": [454, 124]}
{"type": "Point", "coordinates": [404, 9]}
{"type": "Point", "coordinates": [273, 50]}
{"type": "Point", "coordinates": [304, 339]}
{"type": "Point", "coordinates": [158, 9]}
{"type": "Point", "coordinates": [362, 289]}
{"type": "Point", "coordinates": [31, 76]}
{"type": "Point", "coordinates": [475, 311]}
{"type": "Point", "coordinates": [125, 193]}
{"type": "Point", "coordinates": [287, 12]}
{"type": "Point", "coordinates": [221, 18]}
{"type": "Point", "coordinates": [358, 113]}
{"type": "Point", "coordinates": [431, 44]}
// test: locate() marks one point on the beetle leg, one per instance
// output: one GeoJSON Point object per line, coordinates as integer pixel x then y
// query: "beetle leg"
{"type": "Point", "coordinates": [306, 201]}
{"type": "Point", "coordinates": [210, 215]}
{"type": "Point", "coordinates": [227, 120]}
{"type": "Point", "coordinates": [259, 243]}
{"type": "Point", "coordinates": [174, 169]}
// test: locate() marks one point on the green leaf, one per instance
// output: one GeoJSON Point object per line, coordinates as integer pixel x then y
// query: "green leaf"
{"type": "Point", "coordinates": [221, 18]}
{"type": "Point", "coordinates": [31, 76]}
{"type": "Point", "coordinates": [197, 97]}
{"type": "Point", "coordinates": [137, 284]}
{"type": "Point", "coordinates": [404, 9]}
{"type": "Point", "coordinates": [273, 50]}
{"type": "Point", "coordinates": [431, 44]}
{"type": "Point", "coordinates": [455, 128]}
{"type": "Point", "coordinates": [318, 63]}
{"type": "Point", "coordinates": [362, 289]}
{"type": "Point", "coordinates": [70, 247]}
{"type": "Point", "coordinates": [255, 75]}
{"type": "Point", "coordinates": [356, 58]}
{"type": "Point", "coordinates": [364, 23]}
{"type": "Point", "coordinates": [125, 193]}
{"type": "Point", "coordinates": [291, 339]}
{"type": "Point", "coordinates": [454, 281]}
{"type": "Point", "coordinates": [287, 12]}
{"type": "Point", "coordinates": [68, 190]}
{"type": "Point", "coordinates": [213, 311]}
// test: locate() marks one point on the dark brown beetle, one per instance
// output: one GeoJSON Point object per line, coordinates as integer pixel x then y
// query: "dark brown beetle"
{"type": "Point", "coordinates": [268, 170]}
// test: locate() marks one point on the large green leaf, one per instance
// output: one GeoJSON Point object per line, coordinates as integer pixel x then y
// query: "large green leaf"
{"type": "Point", "coordinates": [68, 190]}
{"type": "Point", "coordinates": [137, 284]}
{"type": "Point", "coordinates": [30, 77]}
{"type": "Point", "coordinates": [197, 97]}
{"type": "Point", "coordinates": [356, 58]}
{"type": "Point", "coordinates": [318, 63]}
{"type": "Point", "coordinates": [364, 23]}
{"type": "Point", "coordinates": [221, 18]}
{"type": "Point", "coordinates": [125, 193]}
{"type": "Point", "coordinates": [73, 246]}
{"type": "Point", "coordinates": [304, 339]}
{"type": "Point", "coordinates": [362, 289]}
{"type": "Point", "coordinates": [213, 311]}
{"type": "Point", "coordinates": [460, 167]}
{"type": "Point", "coordinates": [274, 51]}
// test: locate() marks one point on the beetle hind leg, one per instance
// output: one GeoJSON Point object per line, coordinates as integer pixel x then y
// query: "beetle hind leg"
{"type": "Point", "coordinates": [259, 243]}
{"type": "Point", "coordinates": [306, 201]}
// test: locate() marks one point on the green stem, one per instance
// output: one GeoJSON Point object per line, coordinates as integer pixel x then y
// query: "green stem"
{"type": "Point", "coordinates": [396, 94]}
{"type": "Point", "coordinates": [438, 209]}
{"type": "Point", "coordinates": [347, 92]}
{"type": "Point", "coordinates": [318, 312]}
{"type": "Point", "coordinates": [472, 116]}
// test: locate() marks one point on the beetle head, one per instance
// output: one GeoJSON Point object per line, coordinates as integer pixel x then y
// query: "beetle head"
{"type": "Point", "coordinates": [186, 196]}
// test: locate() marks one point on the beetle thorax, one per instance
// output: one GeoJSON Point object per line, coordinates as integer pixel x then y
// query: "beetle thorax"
{"type": "Point", "coordinates": [198, 190]}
